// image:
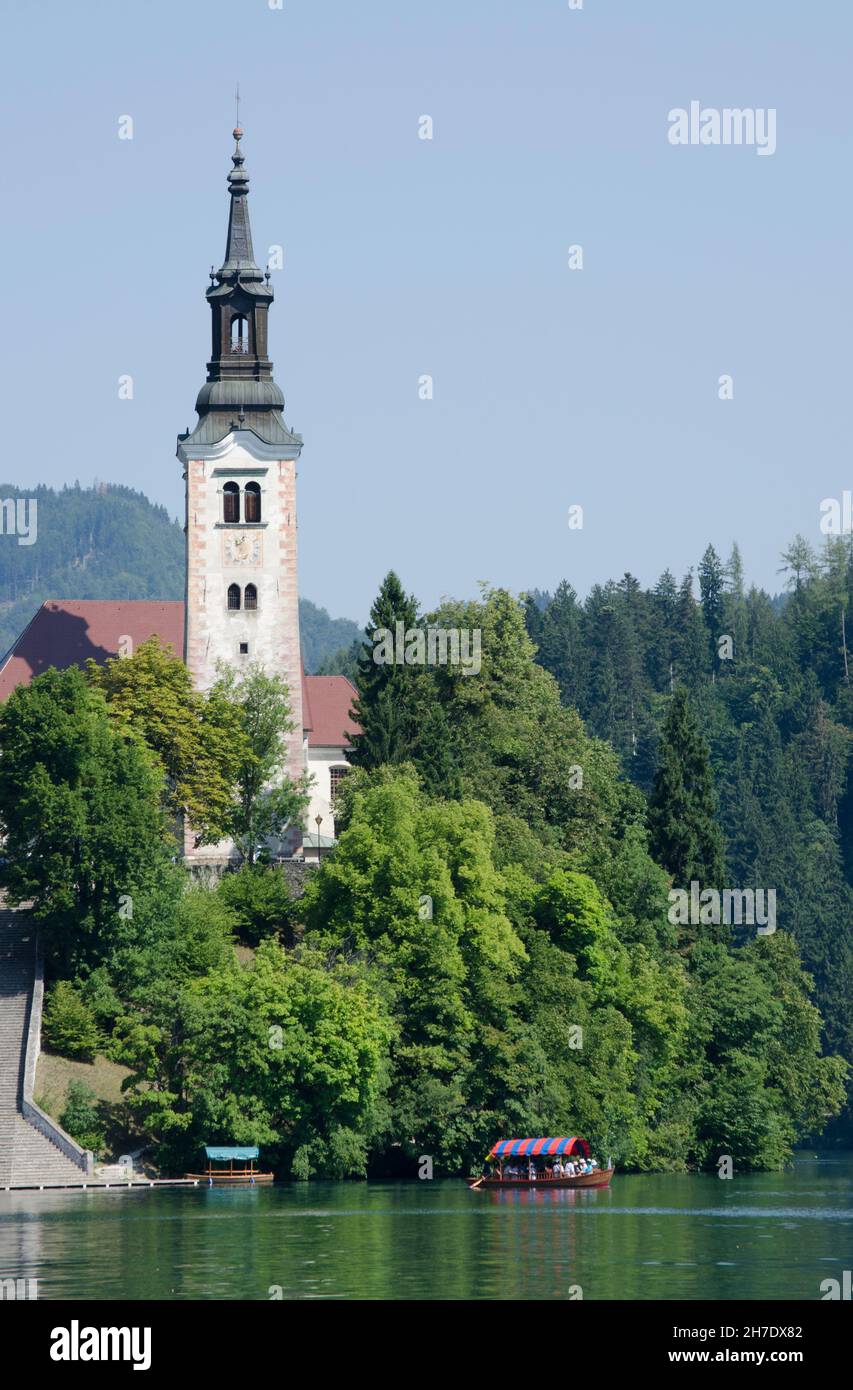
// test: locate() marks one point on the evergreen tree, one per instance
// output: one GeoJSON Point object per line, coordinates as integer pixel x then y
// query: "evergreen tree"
{"type": "Point", "coordinates": [435, 755]}
{"type": "Point", "coordinates": [711, 587]}
{"type": "Point", "coordinates": [561, 643]}
{"type": "Point", "coordinates": [660, 653]}
{"type": "Point", "coordinates": [385, 707]}
{"type": "Point", "coordinates": [684, 834]}
{"type": "Point", "coordinates": [692, 639]}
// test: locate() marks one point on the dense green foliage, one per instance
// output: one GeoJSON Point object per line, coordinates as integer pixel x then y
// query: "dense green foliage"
{"type": "Point", "coordinates": [266, 800]}
{"type": "Point", "coordinates": [198, 738]}
{"type": "Point", "coordinates": [80, 812]}
{"type": "Point", "coordinates": [547, 989]}
{"type": "Point", "coordinates": [776, 708]}
{"type": "Point", "coordinates": [81, 1118]}
{"type": "Point", "coordinates": [69, 1026]}
{"type": "Point", "coordinates": [489, 949]}
{"type": "Point", "coordinates": [259, 902]}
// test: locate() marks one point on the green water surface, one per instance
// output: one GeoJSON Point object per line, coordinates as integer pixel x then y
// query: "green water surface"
{"type": "Point", "coordinates": [767, 1236]}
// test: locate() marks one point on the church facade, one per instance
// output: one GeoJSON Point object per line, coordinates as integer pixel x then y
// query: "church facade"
{"type": "Point", "coordinates": [241, 602]}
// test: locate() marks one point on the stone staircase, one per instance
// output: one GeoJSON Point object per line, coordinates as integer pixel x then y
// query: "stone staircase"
{"type": "Point", "coordinates": [28, 1156]}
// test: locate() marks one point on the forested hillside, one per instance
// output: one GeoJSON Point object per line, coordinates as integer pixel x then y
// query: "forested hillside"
{"type": "Point", "coordinates": [323, 637]}
{"type": "Point", "coordinates": [107, 542]}
{"type": "Point", "coordinates": [770, 682]}
{"type": "Point", "coordinates": [100, 542]}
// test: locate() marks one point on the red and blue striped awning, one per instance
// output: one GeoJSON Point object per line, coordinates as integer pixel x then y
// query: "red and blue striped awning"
{"type": "Point", "coordinates": [532, 1148]}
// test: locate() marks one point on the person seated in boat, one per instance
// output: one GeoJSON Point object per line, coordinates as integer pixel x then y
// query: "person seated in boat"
{"type": "Point", "coordinates": [558, 1167]}
{"type": "Point", "coordinates": [570, 1168]}
{"type": "Point", "coordinates": [531, 1171]}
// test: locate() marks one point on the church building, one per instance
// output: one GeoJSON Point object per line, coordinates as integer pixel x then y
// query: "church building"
{"type": "Point", "coordinates": [241, 602]}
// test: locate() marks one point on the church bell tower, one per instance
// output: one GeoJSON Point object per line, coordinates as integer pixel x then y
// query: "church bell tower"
{"type": "Point", "coordinates": [240, 469]}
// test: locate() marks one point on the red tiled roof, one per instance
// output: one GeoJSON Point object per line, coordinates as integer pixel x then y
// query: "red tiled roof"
{"type": "Point", "coordinates": [329, 700]}
{"type": "Point", "coordinates": [67, 632]}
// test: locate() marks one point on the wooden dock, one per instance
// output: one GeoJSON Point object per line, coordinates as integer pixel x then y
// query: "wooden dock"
{"type": "Point", "coordinates": [89, 1183]}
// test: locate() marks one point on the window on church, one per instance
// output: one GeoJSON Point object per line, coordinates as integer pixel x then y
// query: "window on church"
{"type": "Point", "coordinates": [253, 502]}
{"type": "Point", "coordinates": [231, 502]}
{"type": "Point", "coordinates": [336, 776]}
{"type": "Point", "coordinates": [244, 649]}
{"type": "Point", "coordinates": [239, 334]}
{"type": "Point", "coordinates": [233, 596]}
{"type": "Point", "coordinates": [250, 597]}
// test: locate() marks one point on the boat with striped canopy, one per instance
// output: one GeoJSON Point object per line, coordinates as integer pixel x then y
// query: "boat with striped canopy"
{"type": "Point", "coordinates": [524, 1163]}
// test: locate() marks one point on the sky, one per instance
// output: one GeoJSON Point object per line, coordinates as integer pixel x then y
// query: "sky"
{"type": "Point", "coordinates": [447, 257]}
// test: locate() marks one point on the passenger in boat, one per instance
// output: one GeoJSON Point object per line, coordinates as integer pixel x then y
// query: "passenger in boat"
{"type": "Point", "coordinates": [558, 1167]}
{"type": "Point", "coordinates": [531, 1171]}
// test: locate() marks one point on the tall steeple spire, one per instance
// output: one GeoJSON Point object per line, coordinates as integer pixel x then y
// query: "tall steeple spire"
{"type": "Point", "coordinates": [238, 249]}
{"type": "Point", "coordinates": [240, 391]}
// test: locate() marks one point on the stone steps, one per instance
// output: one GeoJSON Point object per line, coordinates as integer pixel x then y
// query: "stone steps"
{"type": "Point", "coordinates": [27, 1156]}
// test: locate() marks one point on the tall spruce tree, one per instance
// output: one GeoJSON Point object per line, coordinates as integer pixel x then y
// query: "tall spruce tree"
{"type": "Point", "coordinates": [691, 638]}
{"type": "Point", "coordinates": [385, 707]}
{"type": "Point", "coordinates": [562, 648]}
{"type": "Point", "coordinates": [683, 830]}
{"type": "Point", "coordinates": [711, 587]}
{"type": "Point", "coordinates": [660, 652]}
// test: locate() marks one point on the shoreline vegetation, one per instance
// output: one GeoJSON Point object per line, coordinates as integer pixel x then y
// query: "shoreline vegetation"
{"type": "Point", "coordinates": [489, 949]}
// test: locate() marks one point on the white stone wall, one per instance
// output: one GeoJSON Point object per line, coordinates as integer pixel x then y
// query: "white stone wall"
{"type": "Point", "coordinates": [320, 760]}
{"type": "Point", "coordinates": [264, 554]}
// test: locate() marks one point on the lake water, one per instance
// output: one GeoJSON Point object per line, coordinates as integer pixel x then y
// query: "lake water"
{"type": "Point", "coordinates": [767, 1236]}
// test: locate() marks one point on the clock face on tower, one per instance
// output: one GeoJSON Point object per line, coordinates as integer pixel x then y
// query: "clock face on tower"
{"type": "Point", "coordinates": [240, 548]}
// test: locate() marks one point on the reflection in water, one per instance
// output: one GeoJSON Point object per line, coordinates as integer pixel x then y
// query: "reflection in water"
{"type": "Point", "coordinates": [647, 1237]}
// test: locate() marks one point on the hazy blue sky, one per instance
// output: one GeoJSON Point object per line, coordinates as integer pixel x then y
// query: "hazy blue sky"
{"type": "Point", "coordinates": [446, 257]}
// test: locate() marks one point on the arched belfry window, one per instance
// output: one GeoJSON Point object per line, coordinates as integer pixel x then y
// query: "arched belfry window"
{"type": "Point", "coordinates": [250, 597]}
{"type": "Point", "coordinates": [231, 502]}
{"type": "Point", "coordinates": [233, 596]}
{"type": "Point", "coordinates": [253, 502]}
{"type": "Point", "coordinates": [239, 333]}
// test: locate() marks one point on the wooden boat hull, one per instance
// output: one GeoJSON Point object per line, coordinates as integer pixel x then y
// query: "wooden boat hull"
{"type": "Point", "coordinates": [600, 1178]}
{"type": "Point", "coordinates": [232, 1179]}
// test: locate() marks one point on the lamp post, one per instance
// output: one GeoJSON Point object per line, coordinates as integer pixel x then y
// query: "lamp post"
{"type": "Point", "coordinates": [318, 821]}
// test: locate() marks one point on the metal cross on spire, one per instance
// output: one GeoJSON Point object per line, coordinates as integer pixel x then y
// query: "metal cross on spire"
{"type": "Point", "coordinates": [237, 103]}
